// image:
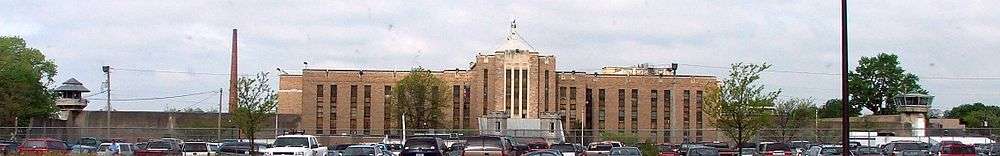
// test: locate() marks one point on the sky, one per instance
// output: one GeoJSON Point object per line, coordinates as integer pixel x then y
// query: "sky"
{"type": "Point", "coordinates": [945, 42]}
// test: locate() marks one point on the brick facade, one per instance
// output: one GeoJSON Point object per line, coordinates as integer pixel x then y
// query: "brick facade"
{"type": "Point", "coordinates": [514, 79]}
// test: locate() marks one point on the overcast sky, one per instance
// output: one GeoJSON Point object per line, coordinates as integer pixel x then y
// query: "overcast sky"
{"type": "Point", "coordinates": [937, 40]}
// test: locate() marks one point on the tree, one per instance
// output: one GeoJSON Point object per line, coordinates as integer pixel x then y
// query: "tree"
{"type": "Point", "coordinates": [257, 103]}
{"type": "Point", "coordinates": [24, 73]}
{"type": "Point", "coordinates": [973, 115]}
{"type": "Point", "coordinates": [739, 107]}
{"type": "Point", "coordinates": [831, 109]}
{"type": "Point", "coordinates": [792, 115]}
{"type": "Point", "coordinates": [877, 80]}
{"type": "Point", "coordinates": [420, 96]}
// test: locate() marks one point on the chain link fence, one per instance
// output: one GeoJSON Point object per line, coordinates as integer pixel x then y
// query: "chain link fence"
{"type": "Point", "coordinates": [584, 136]}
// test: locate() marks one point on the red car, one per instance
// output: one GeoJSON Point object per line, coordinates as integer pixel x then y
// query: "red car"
{"type": "Point", "coordinates": [666, 150]}
{"type": "Point", "coordinates": [957, 150]}
{"type": "Point", "coordinates": [43, 146]}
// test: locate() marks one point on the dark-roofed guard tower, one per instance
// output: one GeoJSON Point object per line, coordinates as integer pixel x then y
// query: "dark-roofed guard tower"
{"type": "Point", "coordinates": [71, 101]}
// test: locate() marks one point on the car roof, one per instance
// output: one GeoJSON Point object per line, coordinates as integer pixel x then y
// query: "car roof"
{"type": "Point", "coordinates": [296, 136]}
{"type": "Point", "coordinates": [361, 146]}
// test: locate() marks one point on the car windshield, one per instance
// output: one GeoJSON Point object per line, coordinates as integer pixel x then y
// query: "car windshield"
{"type": "Point", "coordinates": [291, 142]}
{"type": "Point", "coordinates": [195, 147]}
{"type": "Point", "coordinates": [358, 151]}
{"type": "Point", "coordinates": [776, 147]}
{"type": "Point", "coordinates": [564, 147]}
{"type": "Point", "coordinates": [537, 146]}
{"type": "Point", "coordinates": [624, 151]}
{"type": "Point", "coordinates": [484, 143]}
{"type": "Point", "coordinates": [600, 147]}
{"type": "Point", "coordinates": [664, 148]}
{"type": "Point", "coordinates": [868, 150]}
{"type": "Point", "coordinates": [747, 150]}
{"type": "Point", "coordinates": [34, 144]}
{"type": "Point", "coordinates": [427, 143]}
{"type": "Point", "coordinates": [958, 150]}
{"type": "Point", "coordinates": [158, 145]}
{"type": "Point", "coordinates": [340, 147]}
{"type": "Point", "coordinates": [911, 146]}
{"type": "Point", "coordinates": [703, 152]}
{"type": "Point", "coordinates": [830, 151]}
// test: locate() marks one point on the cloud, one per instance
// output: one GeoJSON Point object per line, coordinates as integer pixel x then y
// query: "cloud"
{"type": "Point", "coordinates": [933, 38]}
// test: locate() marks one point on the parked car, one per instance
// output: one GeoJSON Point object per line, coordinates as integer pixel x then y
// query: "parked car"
{"type": "Point", "coordinates": [698, 150]}
{"type": "Point", "coordinates": [395, 148]}
{"type": "Point", "coordinates": [666, 150]}
{"type": "Point", "coordinates": [599, 149]}
{"type": "Point", "coordinates": [456, 149]}
{"type": "Point", "coordinates": [798, 147]}
{"type": "Point", "coordinates": [196, 149]}
{"type": "Point", "coordinates": [488, 146]}
{"type": "Point", "coordinates": [825, 150]}
{"type": "Point", "coordinates": [240, 148]}
{"type": "Point", "coordinates": [544, 152]}
{"type": "Point", "coordinates": [335, 150]}
{"type": "Point", "coordinates": [567, 149]}
{"type": "Point", "coordinates": [747, 151]}
{"type": "Point", "coordinates": [906, 148]}
{"type": "Point", "coordinates": [82, 149]}
{"type": "Point", "coordinates": [43, 146]}
{"type": "Point", "coordinates": [534, 146]}
{"type": "Point", "coordinates": [8, 147]}
{"type": "Point", "coordinates": [160, 147]}
{"type": "Point", "coordinates": [124, 149]}
{"type": "Point", "coordinates": [364, 150]}
{"type": "Point", "coordinates": [625, 151]}
{"type": "Point", "coordinates": [424, 146]}
{"type": "Point", "coordinates": [867, 151]}
{"type": "Point", "coordinates": [773, 148]}
{"type": "Point", "coordinates": [296, 144]}
{"type": "Point", "coordinates": [957, 150]}
{"type": "Point", "coordinates": [993, 149]}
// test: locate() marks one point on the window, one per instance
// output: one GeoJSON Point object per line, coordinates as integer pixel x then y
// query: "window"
{"type": "Point", "coordinates": [354, 107]}
{"type": "Point", "coordinates": [319, 109]}
{"type": "Point", "coordinates": [621, 109]}
{"type": "Point", "coordinates": [368, 109]}
{"type": "Point", "coordinates": [698, 119]}
{"type": "Point", "coordinates": [546, 93]}
{"type": "Point", "coordinates": [456, 106]}
{"type": "Point", "coordinates": [508, 90]}
{"type": "Point", "coordinates": [687, 111]}
{"type": "Point", "coordinates": [387, 109]}
{"type": "Point", "coordinates": [668, 106]}
{"type": "Point", "coordinates": [562, 99]}
{"type": "Point", "coordinates": [465, 106]}
{"type": "Point", "coordinates": [600, 106]}
{"type": "Point", "coordinates": [635, 110]}
{"type": "Point", "coordinates": [572, 105]}
{"type": "Point", "coordinates": [333, 109]}
{"type": "Point", "coordinates": [486, 93]}
{"type": "Point", "coordinates": [653, 95]}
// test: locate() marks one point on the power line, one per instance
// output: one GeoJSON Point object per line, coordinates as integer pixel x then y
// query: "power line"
{"type": "Point", "coordinates": [159, 98]}
{"type": "Point", "coordinates": [837, 74]}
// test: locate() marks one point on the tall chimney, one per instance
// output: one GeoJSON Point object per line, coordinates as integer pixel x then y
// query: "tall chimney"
{"type": "Point", "coordinates": [233, 78]}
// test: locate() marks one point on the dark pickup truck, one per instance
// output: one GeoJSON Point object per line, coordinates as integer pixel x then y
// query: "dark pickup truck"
{"type": "Point", "coordinates": [489, 146]}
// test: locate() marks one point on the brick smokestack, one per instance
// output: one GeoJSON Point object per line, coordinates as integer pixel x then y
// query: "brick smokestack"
{"type": "Point", "coordinates": [233, 78]}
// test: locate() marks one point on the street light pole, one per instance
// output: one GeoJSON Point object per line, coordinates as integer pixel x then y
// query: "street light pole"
{"type": "Point", "coordinates": [218, 128]}
{"type": "Point", "coordinates": [107, 109]}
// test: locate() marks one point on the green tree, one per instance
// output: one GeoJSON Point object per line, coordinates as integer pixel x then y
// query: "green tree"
{"type": "Point", "coordinates": [973, 115]}
{"type": "Point", "coordinates": [792, 116]}
{"type": "Point", "coordinates": [831, 109]}
{"type": "Point", "coordinates": [877, 80]}
{"type": "Point", "coordinates": [24, 73]}
{"type": "Point", "coordinates": [739, 107]}
{"type": "Point", "coordinates": [257, 103]}
{"type": "Point", "coordinates": [420, 96]}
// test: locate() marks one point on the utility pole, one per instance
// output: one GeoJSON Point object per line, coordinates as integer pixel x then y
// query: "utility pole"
{"type": "Point", "coordinates": [845, 94]}
{"type": "Point", "coordinates": [218, 128]}
{"type": "Point", "coordinates": [404, 126]}
{"type": "Point", "coordinates": [107, 108]}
